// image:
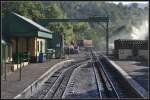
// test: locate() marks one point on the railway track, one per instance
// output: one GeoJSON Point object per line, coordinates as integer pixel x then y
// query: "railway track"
{"type": "Point", "coordinates": [54, 87]}
{"type": "Point", "coordinates": [109, 88]}
{"type": "Point", "coordinates": [109, 83]}
{"type": "Point", "coordinates": [114, 85]}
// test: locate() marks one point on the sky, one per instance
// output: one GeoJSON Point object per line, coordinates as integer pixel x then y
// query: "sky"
{"type": "Point", "coordinates": [128, 2]}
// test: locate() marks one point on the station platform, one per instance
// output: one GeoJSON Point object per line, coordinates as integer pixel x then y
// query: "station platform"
{"type": "Point", "coordinates": [11, 87]}
{"type": "Point", "coordinates": [138, 70]}
{"type": "Point", "coordinates": [135, 72]}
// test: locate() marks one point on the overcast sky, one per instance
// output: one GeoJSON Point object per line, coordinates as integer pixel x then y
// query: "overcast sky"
{"type": "Point", "coordinates": [127, 2]}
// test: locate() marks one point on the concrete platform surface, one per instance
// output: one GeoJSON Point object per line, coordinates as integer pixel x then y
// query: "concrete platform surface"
{"type": "Point", "coordinates": [138, 70]}
{"type": "Point", "coordinates": [12, 86]}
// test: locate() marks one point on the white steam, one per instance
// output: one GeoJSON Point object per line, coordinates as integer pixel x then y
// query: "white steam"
{"type": "Point", "coordinates": [140, 32]}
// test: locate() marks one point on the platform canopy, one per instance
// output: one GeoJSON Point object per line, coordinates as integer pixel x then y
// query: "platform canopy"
{"type": "Point", "coordinates": [15, 25]}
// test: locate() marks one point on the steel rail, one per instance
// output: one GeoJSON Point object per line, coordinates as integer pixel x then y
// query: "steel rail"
{"type": "Point", "coordinates": [49, 84]}
{"type": "Point", "coordinates": [100, 94]}
{"type": "Point", "coordinates": [67, 72]}
{"type": "Point", "coordinates": [58, 79]}
{"type": "Point", "coordinates": [106, 75]}
{"type": "Point", "coordinates": [96, 77]}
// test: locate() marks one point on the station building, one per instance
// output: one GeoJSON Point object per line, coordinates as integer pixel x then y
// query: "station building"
{"type": "Point", "coordinates": [131, 49]}
{"type": "Point", "coordinates": [22, 36]}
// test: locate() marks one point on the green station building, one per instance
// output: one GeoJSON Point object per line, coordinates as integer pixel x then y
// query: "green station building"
{"type": "Point", "coordinates": [22, 36]}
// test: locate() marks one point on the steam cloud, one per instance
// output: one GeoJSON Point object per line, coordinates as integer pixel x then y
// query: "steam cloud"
{"type": "Point", "coordinates": [139, 32]}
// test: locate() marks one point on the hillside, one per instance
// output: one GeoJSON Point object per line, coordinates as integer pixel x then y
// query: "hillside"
{"type": "Point", "coordinates": [123, 19]}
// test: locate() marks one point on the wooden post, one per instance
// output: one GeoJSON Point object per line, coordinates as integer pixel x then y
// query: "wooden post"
{"type": "Point", "coordinates": [27, 41]}
{"type": "Point", "coordinates": [17, 50]}
{"type": "Point", "coordinates": [23, 53]}
{"type": "Point", "coordinates": [36, 49]}
{"type": "Point", "coordinates": [27, 48]}
{"type": "Point", "coordinates": [20, 59]}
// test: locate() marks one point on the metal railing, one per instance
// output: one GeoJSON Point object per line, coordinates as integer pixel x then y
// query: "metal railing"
{"type": "Point", "coordinates": [19, 58]}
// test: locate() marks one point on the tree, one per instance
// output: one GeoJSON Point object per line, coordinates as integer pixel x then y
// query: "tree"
{"type": "Point", "coordinates": [121, 15]}
{"type": "Point", "coordinates": [134, 5]}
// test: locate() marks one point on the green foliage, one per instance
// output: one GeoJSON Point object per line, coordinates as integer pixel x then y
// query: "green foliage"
{"type": "Point", "coordinates": [121, 17]}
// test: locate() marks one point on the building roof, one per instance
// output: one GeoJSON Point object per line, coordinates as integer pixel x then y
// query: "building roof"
{"type": "Point", "coordinates": [33, 23]}
{"type": "Point", "coordinates": [15, 25]}
{"type": "Point", "coordinates": [131, 44]}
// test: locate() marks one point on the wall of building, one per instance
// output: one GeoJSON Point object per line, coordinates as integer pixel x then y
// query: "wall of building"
{"type": "Point", "coordinates": [22, 45]}
{"type": "Point", "coordinates": [32, 46]}
{"type": "Point", "coordinates": [13, 45]}
{"type": "Point", "coordinates": [124, 53]}
{"type": "Point", "coordinates": [144, 53]}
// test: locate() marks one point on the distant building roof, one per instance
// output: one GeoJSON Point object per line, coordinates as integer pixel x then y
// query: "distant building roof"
{"type": "Point", "coordinates": [131, 44]}
{"type": "Point", "coordinates": [33, 23]}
